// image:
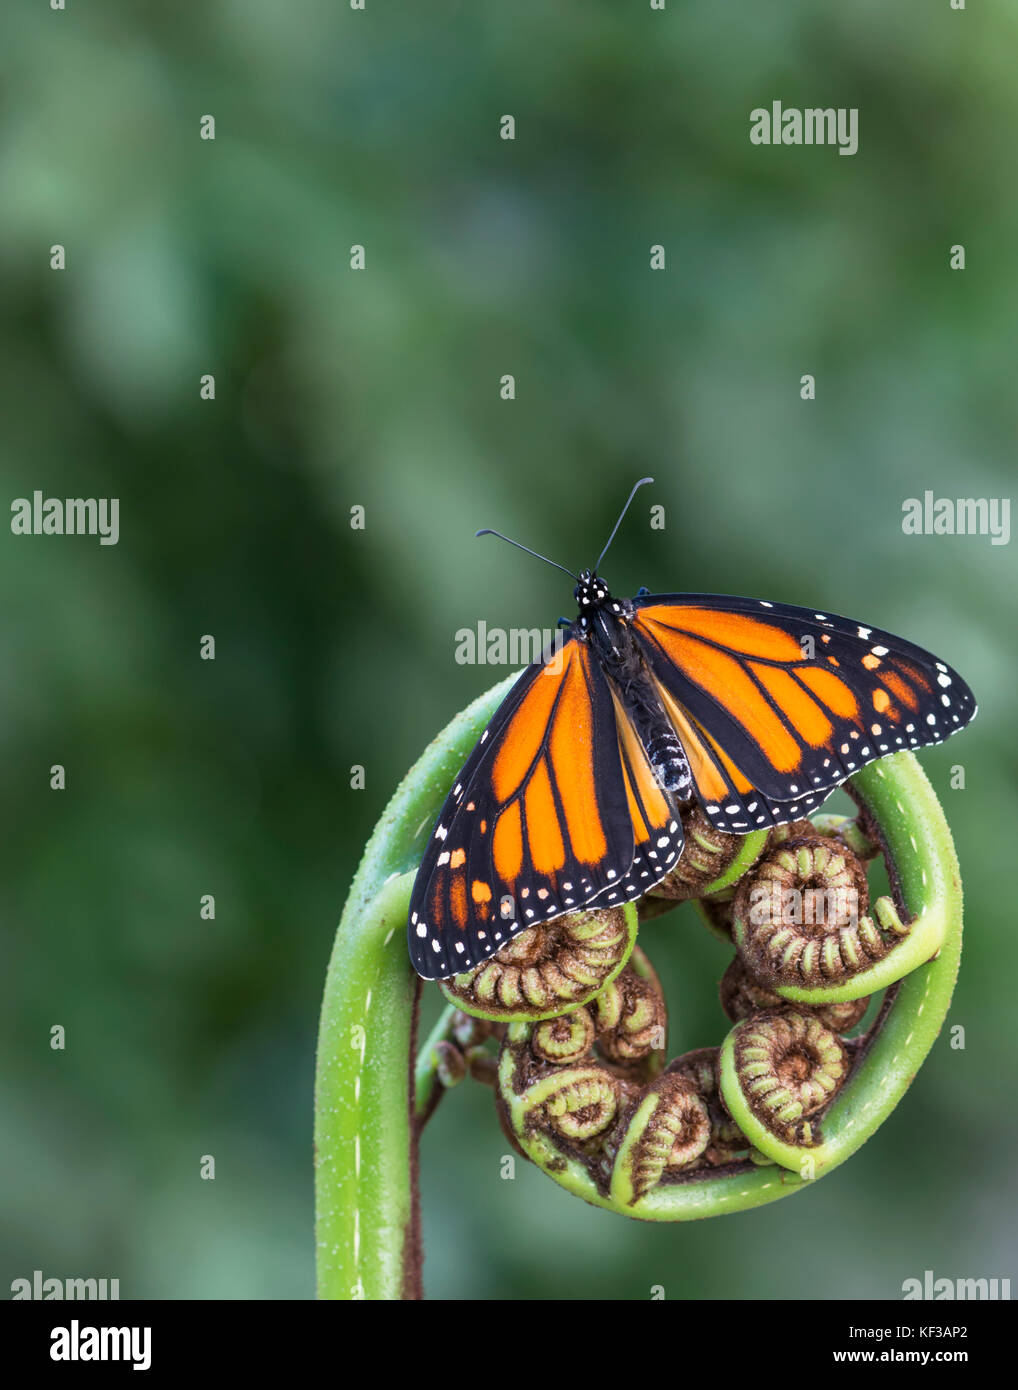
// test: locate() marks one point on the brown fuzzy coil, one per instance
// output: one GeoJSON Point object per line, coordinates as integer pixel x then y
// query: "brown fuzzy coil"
{"type": "Point", "coordinates": [800, 916]}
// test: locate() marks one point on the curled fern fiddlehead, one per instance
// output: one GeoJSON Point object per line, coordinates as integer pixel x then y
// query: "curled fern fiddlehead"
{"type": "Point", "coordinates": [709, 858]}
{"type": "Point", "coordinates": [788, 1067]}
{"type": "Point", "coordinates": [546, 970]}
{"type": "Point", "coordinates": [800, 917]}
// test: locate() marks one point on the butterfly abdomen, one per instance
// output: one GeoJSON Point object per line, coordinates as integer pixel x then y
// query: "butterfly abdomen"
{"type": "Point", "coordinates": [669, 762]}
{"type": "Point", "coordinates": [661, 743]}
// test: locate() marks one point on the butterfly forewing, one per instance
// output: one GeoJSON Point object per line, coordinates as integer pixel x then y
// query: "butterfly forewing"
{"type": "Point", "coordinates": [777, 705]}
{"type": "Point", "coordinates": [538, 823]}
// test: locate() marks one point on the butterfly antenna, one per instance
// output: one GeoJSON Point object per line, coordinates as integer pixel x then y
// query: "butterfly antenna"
{"type": "Point", "coordinates": [619, 522]}
{"type": "Point", "coordinates": [499, 534]}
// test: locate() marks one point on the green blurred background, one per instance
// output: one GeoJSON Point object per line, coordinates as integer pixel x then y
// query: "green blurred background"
{"type": "Point", "coordinates": [335, 647]}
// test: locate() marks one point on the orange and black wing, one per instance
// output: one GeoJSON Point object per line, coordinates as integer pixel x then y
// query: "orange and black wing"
{"type": "Point", "coordinates": [540, 821]}
{"type": "Point", "coordinates": [653, 815]}
{"type": "Point", "coordinates": [776, 706]}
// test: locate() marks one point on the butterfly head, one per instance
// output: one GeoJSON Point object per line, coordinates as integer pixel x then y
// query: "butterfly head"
{"type": "Point", "coordinates": [591, 591]}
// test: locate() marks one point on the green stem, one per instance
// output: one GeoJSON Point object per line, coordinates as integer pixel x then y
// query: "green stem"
{"type": "Point", "coordinates": [364, 1142]}
{"type": "Point", "coordinates": [366, 1218]}
{"type": "Point", "coordinates": [427, 1083]}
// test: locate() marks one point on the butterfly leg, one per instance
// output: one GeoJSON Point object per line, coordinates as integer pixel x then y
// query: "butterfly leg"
{"type": "Point", "coordinates": [564, 622]}
{"type": "Point", "coordinates": [642, 591]}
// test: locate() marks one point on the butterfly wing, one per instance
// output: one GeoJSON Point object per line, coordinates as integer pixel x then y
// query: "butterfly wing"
{"type": "Point", "coordinates": [537, 824]}
{"type": "Point", "coordinates": [777, 705]}
{"type": "Point", "coordinates": [653, 815]}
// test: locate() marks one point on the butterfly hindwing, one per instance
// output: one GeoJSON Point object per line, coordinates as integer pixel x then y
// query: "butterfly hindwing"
{"type": "Point", "coordinates": [653, 814]}
{"type": "Point", "coordinates": [777, 705]}
{"type": "Point", "coordinates": [538, 822]}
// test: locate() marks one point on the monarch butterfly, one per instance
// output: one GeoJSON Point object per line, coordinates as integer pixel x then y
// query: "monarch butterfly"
{"type": "Point", "coordinates": [572, 796]}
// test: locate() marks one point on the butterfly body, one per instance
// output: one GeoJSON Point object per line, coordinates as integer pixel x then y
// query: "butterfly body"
{"type": "Point", "coordinates": [604, 623]}
{"type": "Point", "coordinates": [573, 795]}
